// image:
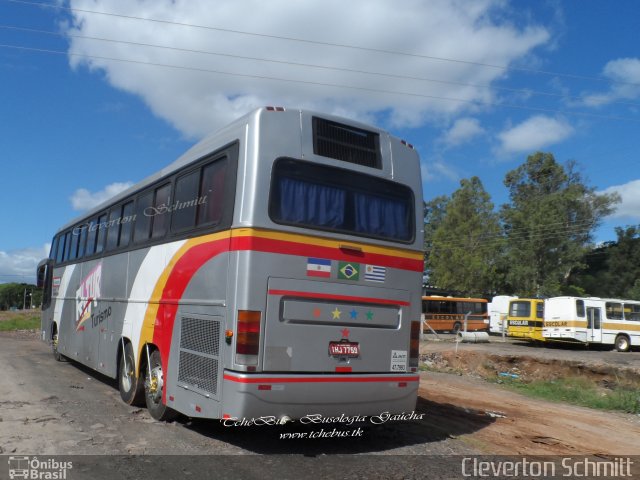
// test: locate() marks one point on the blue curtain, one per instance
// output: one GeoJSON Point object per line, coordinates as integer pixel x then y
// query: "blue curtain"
{"type": "Point", "coordinates": [382, 217]}
{"type": "Point", "coordinates": [311, 204]}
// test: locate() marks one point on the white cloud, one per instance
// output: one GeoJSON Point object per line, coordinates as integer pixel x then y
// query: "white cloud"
{"type": "Point", "coordinates": [20, 265]}
{"type": "Point", "coordinates": [462, 131]}
{"type": "Point", "coordinates": [83, 199]}
{"type": "Point", "coordinates": [196, 102]}
{"type": "Point", "coordinates": [534, 134]}
{"type": "Point", "coordinates": [625, 75]}
{"type": "Point", "coordinates": [629, 207]}
{"type": "Point", "coordinates": [437, 170]}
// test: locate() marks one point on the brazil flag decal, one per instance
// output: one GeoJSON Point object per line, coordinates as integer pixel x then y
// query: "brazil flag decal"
{"type": "Point", "coordinates": [348, 271]}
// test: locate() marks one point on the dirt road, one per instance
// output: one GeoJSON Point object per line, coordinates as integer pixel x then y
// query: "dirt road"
{"type": "Point", "coordinates": [48, 407]}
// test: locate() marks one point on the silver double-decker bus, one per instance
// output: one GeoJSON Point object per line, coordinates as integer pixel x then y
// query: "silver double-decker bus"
{"type": "Point", "coordinates": [274, 269]}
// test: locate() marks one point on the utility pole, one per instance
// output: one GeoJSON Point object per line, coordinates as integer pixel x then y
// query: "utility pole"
{"type": "Point", "coordinates": [24, 300]}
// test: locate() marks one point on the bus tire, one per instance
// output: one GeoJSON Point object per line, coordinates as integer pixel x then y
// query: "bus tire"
{"type": "Point", "coordinates": [457, 327]}
{"type": "Point", "coordinates": [622, 343]}
{"type": "Point", "coordinates": [130, 385]}
{"type": "Point", "coordinates": [54, 346]}
{"type": "Point", "coordinates": [153, 389]}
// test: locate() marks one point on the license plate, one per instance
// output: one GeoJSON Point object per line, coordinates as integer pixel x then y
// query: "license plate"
{"type": "Point", "coordinates": [344, 349]}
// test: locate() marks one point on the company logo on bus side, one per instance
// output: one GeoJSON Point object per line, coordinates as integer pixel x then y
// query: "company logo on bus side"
{"type": "Point", "coordinates": [87, 296]}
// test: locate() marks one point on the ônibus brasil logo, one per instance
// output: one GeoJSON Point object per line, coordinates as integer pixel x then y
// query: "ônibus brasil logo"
{"type": "Point", "coordinates": [36, 469]}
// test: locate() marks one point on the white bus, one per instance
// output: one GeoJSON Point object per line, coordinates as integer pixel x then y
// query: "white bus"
{"type": "Point", "coordinates": [593, 320]}
{"type": "Point", "coordinates": [274, 269]}
{"type": "Point", "coordinates": [498, 310]}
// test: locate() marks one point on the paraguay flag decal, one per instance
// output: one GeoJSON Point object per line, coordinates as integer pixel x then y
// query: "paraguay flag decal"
{"type": "Point", "coordinates": [319, 267]}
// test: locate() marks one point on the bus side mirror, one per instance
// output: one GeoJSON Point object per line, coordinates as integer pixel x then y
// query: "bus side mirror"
{"type": "Point", "coordinates": [44, 275]}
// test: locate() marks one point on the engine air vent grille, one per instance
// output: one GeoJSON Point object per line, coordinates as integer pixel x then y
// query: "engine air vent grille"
{"type": "Point", "coordinates": [344, 142]}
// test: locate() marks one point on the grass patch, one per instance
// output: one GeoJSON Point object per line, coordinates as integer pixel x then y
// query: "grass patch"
{"type": "Point", "coordinates": [19, 321]}
{"type": "Point", "coordinates": [580, 391]}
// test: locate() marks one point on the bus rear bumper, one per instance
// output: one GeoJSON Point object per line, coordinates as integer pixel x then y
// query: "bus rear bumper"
{"type": "Point", "coordinates": [249, 396]}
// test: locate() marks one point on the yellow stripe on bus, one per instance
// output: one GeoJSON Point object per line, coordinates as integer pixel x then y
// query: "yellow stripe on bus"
{"type": "Point", "coordinates": [148, 324]}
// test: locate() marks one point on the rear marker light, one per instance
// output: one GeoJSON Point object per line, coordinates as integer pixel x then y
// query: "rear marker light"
{"type": "Point", "coordinates": [404, 142]}
{"type": "Point", "coordinates": [264, 387]}
{"type": "Point", "coordinates": [198, 409]}
{"type": "Point", "coordinates": [274, 109]}
{"type": "Point", "coordinates": [402, 384]}
{"type": "Point", "coordinates": [344, 369]}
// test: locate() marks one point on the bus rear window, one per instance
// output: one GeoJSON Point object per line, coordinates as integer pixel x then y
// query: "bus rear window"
{"type": "Point", "coordinates": [328, 198]}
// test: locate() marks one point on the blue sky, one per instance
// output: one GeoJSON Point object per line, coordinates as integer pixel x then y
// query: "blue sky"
{"type": "Point", "coordinates": [475, 86]}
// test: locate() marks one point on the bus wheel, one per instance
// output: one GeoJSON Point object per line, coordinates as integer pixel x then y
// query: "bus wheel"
{"type": "Point", "coordinates": [622, 343]}
{"type": "Point", "coordinates": [153, 387]}
{"type": "Point", "coordinates": [457, 327]}
{"type": "Point", "coordinates": [131, 387]}
{"type": "Point", "coordinates": [54, 347]}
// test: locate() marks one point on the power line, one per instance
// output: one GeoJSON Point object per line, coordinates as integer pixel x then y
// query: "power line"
{"type": "Point", "coordinates": [323, 84]}
{"type": "Point", "coordinates": [329, 44]}
{"type": "Point", "coordinates": [523, 91]}
{"type": "Point", "coordinates": [493, 240]}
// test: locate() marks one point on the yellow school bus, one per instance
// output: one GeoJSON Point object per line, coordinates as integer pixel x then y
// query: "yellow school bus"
{"type": "Point", "coordinates": [525, 318]}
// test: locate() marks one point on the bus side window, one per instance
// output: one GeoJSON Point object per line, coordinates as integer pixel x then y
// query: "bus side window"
{"type": "Point", "coordinates": [211, 200]}
{"type": "Point", "coordinates": [82, 231]}
{"type": "Point", "coordinates": [144, 214]}
{"type": "Point", "coordinates": [614, 310]}
{"type": "Point", "coordinates": [60, 251]}
{"type": "Point", "coordinates": [67, 246]}
{"type": "Point", "coordinates": [54, 247]}
{"type": "Point", "coordinates": [186, 201]}
{"type": "Point", "coordinates": [92, 233]}
{"type": "Point", "coordinates": [102, 232]}
{"type": "Point", "coordinates": [580, 308]}
{"type": "Point", "coordinates": [126, 224]}
{"type": "Point", "coordinates": [540, 310]}
{"type": "Point", "coordinates": [113, 227]}
{"type": "Point", "coordinates": [161, 209]}
{"type": "Point", "coordinates": [75, 240]}
{"type": "Point", "coordinates": [634, 312]}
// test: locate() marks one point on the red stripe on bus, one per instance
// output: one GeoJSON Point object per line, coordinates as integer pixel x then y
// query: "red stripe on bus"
{"type": "Point", "coordinates": [180, 276]}
{"type": "Point", "coordinates": [193, 259]}
{"type": "Point", "coordinates": [270, 245]}
{"type": "Point", "coordinates": [344, 298]}
{"type": "Point", "coordinates": [318, 379]}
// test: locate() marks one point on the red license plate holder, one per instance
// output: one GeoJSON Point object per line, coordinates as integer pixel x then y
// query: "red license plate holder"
{"type": "Point", "coordinates": [344, 349]}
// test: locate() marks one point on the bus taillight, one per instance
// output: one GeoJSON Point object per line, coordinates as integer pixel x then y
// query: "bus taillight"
{"type": "Point", "coordinates": [414, 346]}
{"type": "Point", "coordinates": [248, 337]}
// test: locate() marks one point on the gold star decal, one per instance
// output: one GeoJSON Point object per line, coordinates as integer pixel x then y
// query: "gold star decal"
{"type": "Point", "coordinates": [336, 313]}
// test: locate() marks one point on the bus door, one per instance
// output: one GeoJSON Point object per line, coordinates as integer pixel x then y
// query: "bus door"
{"type": "Point", "coordinates": [594, 324]}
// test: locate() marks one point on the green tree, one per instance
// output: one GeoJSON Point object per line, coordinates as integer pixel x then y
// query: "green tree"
{"type": "Point", "coordinates": [434, 213]}
{"type": "Point", "coordinates": [613, 269]}
{"type": "Point", "coordinates": [466, 244]}
{"type": "Point", "coordinates": [16, 295]}
{"type": "Point", "coordinates": [549, 224]}
{"type": "Point", "coordinates": [623, 264]}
